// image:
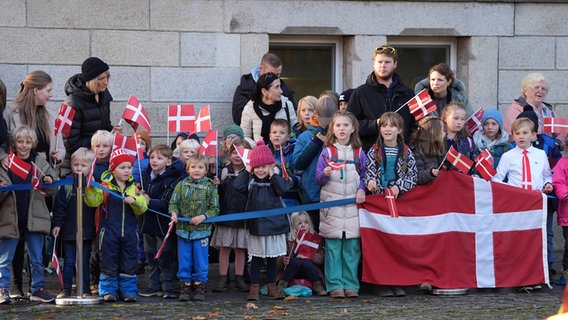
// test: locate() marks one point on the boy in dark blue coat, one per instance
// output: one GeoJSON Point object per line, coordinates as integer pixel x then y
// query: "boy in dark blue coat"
{"type": "Point", "coordinates": [65, 223]}
{"type": "Point", "coordinates": [160, 179]}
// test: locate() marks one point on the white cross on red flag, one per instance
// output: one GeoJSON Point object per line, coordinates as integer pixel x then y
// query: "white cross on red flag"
{"type": "Point", "coordinates": [474, 122]}
{"type": "Point", "coordinates": [306, 244]}
{"type": "Point", "coordinates": [485, 169]}
{"type": "Point", "coordinates": [458, 160]}
{"type": "Point", "coordinates": [209, 145]}
{"type": "Point", "coordinates": [203, 120]}
{"type": "Point", "coordinates": [244, 154]}
{"type": "Point", "coordinates": [18, 166]}
{"type": "Point", "coordinates": [135, 114]}
{"type": "Point", "coordinates": [126, 143]}
{"type": "Point", "coordinates": [64, 120]}
{"type": "Point", "coordinates": [181, 117]}
{"type": "Point", "coordinates": [485, 155]}
{"type": "Point", "coordinates": [421, 105]}
{"type": "Point", "coordinates": [555, 125]}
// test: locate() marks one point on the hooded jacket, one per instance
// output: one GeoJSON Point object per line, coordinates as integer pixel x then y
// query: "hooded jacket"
{"type": "Point", "coordinates": [370, 100]}
{"type": "Point", "coordinates": [90, 115]}
{"type": "Point", "coordinates": [160, 191]}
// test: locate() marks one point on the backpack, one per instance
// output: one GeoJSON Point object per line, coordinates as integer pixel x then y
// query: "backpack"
{"type": "Point", "coordinates": [332, 150]}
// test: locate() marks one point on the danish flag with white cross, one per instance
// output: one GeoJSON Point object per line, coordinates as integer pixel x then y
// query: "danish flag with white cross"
{"type": "Point", "coordinates": [64, 120]}
{"type": "Point", "coordinates": [181, 117]}
{"type": "Point", "coordinates": [456, 232]}
{"type": "Point", "coordinates": [135, 114]}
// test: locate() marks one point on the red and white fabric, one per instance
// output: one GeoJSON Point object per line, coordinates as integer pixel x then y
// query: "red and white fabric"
{"type": "Point", "coordinates": [209, 144]}
{"type": "Point", "coordinates": [126, 143]}
{"type": "Point", "coordinates": [473, 123]}
{"type": "Point", "coordinates": [484, 240]}
{"type": "Point", "coordinates": [421, 105]}
{"type": "Point", "coordinates": [556, 125]}
{"type": "Point", "coordinates": [64, 120]}
{"type": "Point", "coordinates": [203, 120]}
{"type": "Point", "coordinates": [55, 262]}
{"type": "Point", "coordinates": [458, 160]}
{"type": "Point", "coordinates": [306, 244]}
{"type": "Point", "coordinates": [135, 114]}
{"type": "Point", "coordinates": [244, 154]}
{"type": "Point", "coordinates": [36, 184]}
{"type": "Point", "coordinates": [485, 155]}
{"type": "Point", "coordinates": [485, 169]}
{"type": "Point", "coordinates": [181, 117]}
{"type": "Point", "coordinates": [336, 166]}
{"type": "Point", "coordinates": [18, 166]}
{"type": "Point", "coordinates": [526, 171]}
{"type": "Point", "coordinates": [139, 151]}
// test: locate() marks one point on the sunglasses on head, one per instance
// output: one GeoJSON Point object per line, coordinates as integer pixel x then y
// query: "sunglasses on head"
{"type": "Point", "coordinates": [385, 49]}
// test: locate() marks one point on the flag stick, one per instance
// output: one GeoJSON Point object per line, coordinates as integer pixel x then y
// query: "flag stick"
{"type": "Point", "coordinates": [397, 110]}
{"type": "Point", "coordinates": [140, 169]}
{"type": "Point", "coordinates": [56, 147]}
{"type": "Point", "coordinates": [38, 169]}
{"type": "Point", "coordinates": [120, 122]}
{"type": "Point", "coordinates": [441, 164]}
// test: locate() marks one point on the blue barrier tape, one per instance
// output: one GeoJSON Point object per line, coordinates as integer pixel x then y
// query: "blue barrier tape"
{"type": "Point", "coordinates": [247, 215]}
{"type": "Point", "coordinates": [27, 186]}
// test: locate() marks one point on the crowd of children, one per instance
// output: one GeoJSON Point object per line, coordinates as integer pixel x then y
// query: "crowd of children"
{"type": "Point", "coordinates": [319, 159]}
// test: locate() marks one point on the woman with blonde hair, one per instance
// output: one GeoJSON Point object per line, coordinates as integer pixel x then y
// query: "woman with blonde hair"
{"type": "Point", "coordinates": [30, 109]}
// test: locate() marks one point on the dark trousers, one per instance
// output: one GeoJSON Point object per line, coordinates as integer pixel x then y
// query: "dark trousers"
{"type": "Point", "coordinates": [301, 269]}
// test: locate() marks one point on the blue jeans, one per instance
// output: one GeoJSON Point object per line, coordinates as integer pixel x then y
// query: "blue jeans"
{"type": "Point", "coordinates": [193, 260]}
{"type": "Point", "coordinates": [70, 249]}
{"type": "Point", "coordinates": [34, 243]}
{"type": "Point", "coordinates": [7, 249]}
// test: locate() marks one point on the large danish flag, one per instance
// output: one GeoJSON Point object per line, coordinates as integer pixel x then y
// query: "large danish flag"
{"type": "Point", "coordinates": [135, 114]}
{"type": "Point", "coordinates": [181, 117]}
{"type": "Point", "coordinates": [457, 232]}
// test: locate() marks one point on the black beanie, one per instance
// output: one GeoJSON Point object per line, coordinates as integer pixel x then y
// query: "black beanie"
{"type": "Point", "coordinates": [528, 112]}
{"type": "Point", "coordinates": [92, 67]}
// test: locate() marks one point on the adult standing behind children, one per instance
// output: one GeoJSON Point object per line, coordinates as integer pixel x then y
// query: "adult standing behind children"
{"type": "Point", "coordinates": [443, 88]}
{"type": "Point", "coordinates": [3, 126]}
{"type": "Point", "coordinates": [266, 104]}
{"type": "Point", "coordinates": [383, 91]}
{"type": "Point", "coordinates": [88, 95]}
{"type": "Point", "coordinates": [534, 88]}
{"type": "Point", "coordinates": [270, 62]}
{"type": "Point", "coordinates": [30, 109]}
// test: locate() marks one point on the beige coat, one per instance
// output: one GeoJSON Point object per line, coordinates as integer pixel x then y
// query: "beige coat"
{"type": "Point", "coordinates": [252, 124]}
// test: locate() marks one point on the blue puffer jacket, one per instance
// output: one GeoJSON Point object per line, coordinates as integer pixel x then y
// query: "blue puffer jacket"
{"type": "Point", "coordinates": [160, 191]}
{"type": "Point", "coordinates": [306, 153]}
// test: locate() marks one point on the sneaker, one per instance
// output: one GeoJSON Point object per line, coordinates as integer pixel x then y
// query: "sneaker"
{"type": "Point", "coordinates": [185, 294]}
{"type": "Point", "coordinates": [63, 294]}
{"type": "Point", "coordinates": [4, 296]}
{"type": "Point", "coordinates": [168, 294]}
{"type": "Point", "coordinates": [109, 298]}
{"type": "Point", "coordinates": [17, 294]}
{"type": "Point", "coordinates": [350, 293]}
{"type": "Point", "coordinates": [150, 293]}
{"type": "Point", "coordinates": [426, 287]}
{"type": "Point", "coordinates": [130, 299]}
{"type": "Point", "coordinates": [42, 295]}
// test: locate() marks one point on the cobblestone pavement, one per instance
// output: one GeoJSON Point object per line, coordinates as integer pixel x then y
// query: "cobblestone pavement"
{"type": "Point", "coordinates": [477, 304]}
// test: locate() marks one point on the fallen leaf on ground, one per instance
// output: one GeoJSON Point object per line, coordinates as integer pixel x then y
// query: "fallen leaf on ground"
{"type": "Point", "coordinates": [288, 298]}
{"type": "Point", "coordinates": [279, 308]}
{"type": "Point", "coordinates": [251, 305]}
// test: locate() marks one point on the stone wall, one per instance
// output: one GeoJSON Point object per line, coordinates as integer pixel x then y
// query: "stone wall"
{"type": "Point", "coordinates": [182, 51]}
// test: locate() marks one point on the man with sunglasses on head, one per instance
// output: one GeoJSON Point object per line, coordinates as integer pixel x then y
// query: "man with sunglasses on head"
{"type": "Point", "coordinates": [270, 62]}
{"type": "Point", "coordinates": [383, 91]}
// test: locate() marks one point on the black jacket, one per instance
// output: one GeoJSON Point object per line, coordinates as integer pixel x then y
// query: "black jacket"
{"type": "Point", "coordinates": [90, 116]}
{"type": "Point", "coordinates": [160, 191]}
{"type": "Point", "coordinates": [230, 200]}
{"type": "Point", "coordinates": [244, 91]}
{"type": "Point", "coordinates": [370, 100]}
{"type": "Point", "coordinates": [263, 194]}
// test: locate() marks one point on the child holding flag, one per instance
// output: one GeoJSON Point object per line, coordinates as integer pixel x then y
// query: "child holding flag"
{"type": "Point", "coordinates": [491, 136]}
{"type": "Point", "coordinates": [231, 235]}
{"type": "Point", "coordinates": [117, 238]}
{"type": "Point", "coordinates": [65, 223]}
{"type": "Point", "coordinates": [428, 146]}
{"type": "Point", "coordinates": [282, 147]}
{"type": "Point", "coordinates": [267, 235]}
{"type": "Point", "coordinates": [340, 225]}
{"type": "Point", "coordinates": [194, 198]}
{"type": "Point", "coordinates": [24, 214]}
{"type": "Point", "coordinates": [454, 117]}
{"type": "Point", "coordinates": [390, 165]}
{"type": "Point", "coordinates": [159, 179]}
{"type": "Point", "coordinates": [305, 260]}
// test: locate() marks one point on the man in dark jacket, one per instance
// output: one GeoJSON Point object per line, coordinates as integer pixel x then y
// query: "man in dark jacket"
{"type": "Point", "coordinates": [383, 91]}
{"type": "Point", "coordinates": [270, 62]}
